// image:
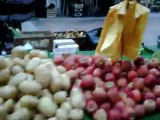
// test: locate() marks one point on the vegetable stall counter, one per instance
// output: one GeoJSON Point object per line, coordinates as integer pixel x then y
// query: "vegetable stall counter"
{"type": "Point", "coordinates": [29, 81]}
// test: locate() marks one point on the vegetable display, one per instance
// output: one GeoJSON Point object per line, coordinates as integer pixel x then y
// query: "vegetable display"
{"type": "Point", "coordinates": [34, 87]}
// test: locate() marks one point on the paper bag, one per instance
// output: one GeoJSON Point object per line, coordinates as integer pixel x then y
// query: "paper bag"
{"type": "Point", "coordinates": [123, 30]}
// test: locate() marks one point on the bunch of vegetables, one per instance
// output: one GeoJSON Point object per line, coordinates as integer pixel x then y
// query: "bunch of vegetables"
{"type": "Point", "coordinates": [32, 87]}
{"type": "Point", "coordinates": [121, 90]}
{"type": "Point", "coordinates": [70, 34]}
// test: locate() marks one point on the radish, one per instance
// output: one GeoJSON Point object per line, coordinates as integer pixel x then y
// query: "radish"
{"type": "Point", "coordinates": [156, 90]}
{"type": "Point", "coordinates": [96, 56]}
{"type": "Point", "coordinates": [69, 63]}
{"type": "Point", "coordinates": [109, 77]}
{"type": "Point", "coordinates": [128, 88]}
{"type": "Point", "coordinates": [149, 105]}
{"type": "Point", "coordinates": [146, 89]}
{"type": "Point", "coordinates": [138, 83]}
{"type": "Point", "coordinates": [114, 114]}
{"type": "Point", "coordinates": [99, 62]}
{"type": "Point", "coordinates": [97, 72]}
{"type": "Point", "coordinates": [106, 107]}
{"type": "Point", "coordinates": [99, 95]}
{"type": "Point", "coordinates": [123, 95]}
{"type": "Point", "coordinates": [113, 95]}
{"type": "Point", "coordinates": [85, 61]}
{"type": "Point", "coordinates": [116, 70]}
{"type": "Point", "coordinates": [98, 82]}
{"type": "Point", "coordinates": [58, 60]}
{"type": "Point", "coordinates": [154, 63]}
{"type": "Point", "coordinates": [108, 67]}
{"type": "Point", "coordinates": [122, 82]}
{"type": "Point", "coordinates": [79, 70]}
{"type": "Point", "coordinates": [119, 105]}
{"type": "Point", "coordinates": [127, 113]}
{"type": "Point", "coordinates": [91, 106]}
{"type": "Point", "coordinates": [150, 80]}
{"type": "Point", "coordinates": [77, 84]}
{"type": "Point", "coordinates": [154, 72]}
{"type": "Point", "coordinates": [142, 71]}
{"type": "Point", "coordinates": [129, 102]}
{"type": "Point", "coordinates": [126, 65]}
{"type": "Point", "coordinates": [158, 103]}
{"type": "Point", "coordinates": [88, 71]}
{"type": "Point", "coordinates": [139, 110]}
{"type": "Point", "coordinates": [139, 61]}
{"type": "Point", "coordinates": [77, 57]}
{"type": "Point", "coordinates": [122, 75]}
{"type": "Point", "coordinates": [149, 95]}
{"type": "Point", "coordinates": [87, 82]}
{"type": "Point", "coordinates": [132, 75]}
{"type": "Point", "coordinates": [131, 111]}
{"type": "Point", "coordinates": [158, 79]}
{"type": "Point", "coordinates": [135, 95]}
{"type": "Point", "coordinates": [130, 85]}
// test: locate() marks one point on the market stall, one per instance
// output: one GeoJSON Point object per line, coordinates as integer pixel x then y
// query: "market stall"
{"type": "Point", "coordinates": [101, 84]}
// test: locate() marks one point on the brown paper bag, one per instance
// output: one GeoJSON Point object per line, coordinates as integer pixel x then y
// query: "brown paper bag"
{"type": "Point", "coordinates": [123, 30]}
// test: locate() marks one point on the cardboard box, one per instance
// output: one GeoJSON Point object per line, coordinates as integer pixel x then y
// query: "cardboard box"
{"type": "Point", "coordinates": [65, 50]}
{"type": "Point", "coordinates": [58, 42]}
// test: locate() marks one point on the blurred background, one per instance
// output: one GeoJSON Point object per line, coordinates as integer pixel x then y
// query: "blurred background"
{"type": "Point", "coordinates": [65, 15]}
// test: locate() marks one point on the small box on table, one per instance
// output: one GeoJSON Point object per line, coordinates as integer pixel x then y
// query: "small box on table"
{"type": "Point", "coordinates": [64, 47]}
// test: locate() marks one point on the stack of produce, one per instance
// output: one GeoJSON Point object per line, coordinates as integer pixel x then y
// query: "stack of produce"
{"type": "Point", "coordinates": [121, 90]}
{"type": "Point", "coordinates": [32, 87]}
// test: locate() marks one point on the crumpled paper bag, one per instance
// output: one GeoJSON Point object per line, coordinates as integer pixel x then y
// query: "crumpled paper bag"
{"type": "Point", "coordinates": [123, 30]}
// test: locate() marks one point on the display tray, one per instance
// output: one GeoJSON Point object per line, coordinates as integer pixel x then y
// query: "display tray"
{"type": "Point", "coordinates": [80, 37]}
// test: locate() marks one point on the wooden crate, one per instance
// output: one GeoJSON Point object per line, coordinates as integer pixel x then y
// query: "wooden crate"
{"type": "Point", "coordinates": [38, 39]}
